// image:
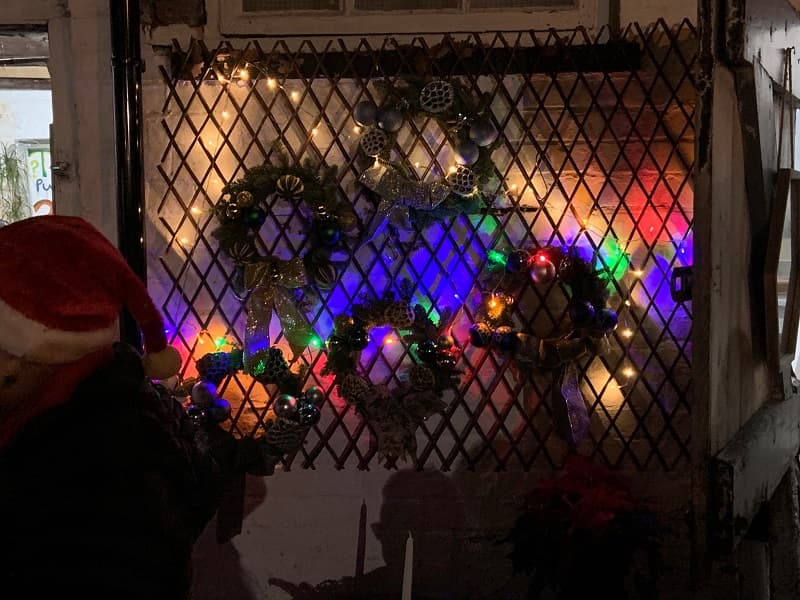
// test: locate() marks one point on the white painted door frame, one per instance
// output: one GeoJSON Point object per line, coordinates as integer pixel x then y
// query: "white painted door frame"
{"type": "Point", "coordinates": [82, 140]}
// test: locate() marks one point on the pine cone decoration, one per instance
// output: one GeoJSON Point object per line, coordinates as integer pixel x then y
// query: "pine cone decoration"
{"type": "Point", "coordinates": [213, 367]}
{"type": "Point", "coordinates": [368, 315]}
{"type": "Point", "coordinates": [342, 322]}
{"type": "Point", "coordinates": [275, 367]}
{"type": "Point", "coordinates": [421, 378]}
{"type": "Point", "coordinates": [353, 388]}
{"type": "Point", "coordinates": [399, 314]}
{"type": "Point", "coordinates": [286, 435]}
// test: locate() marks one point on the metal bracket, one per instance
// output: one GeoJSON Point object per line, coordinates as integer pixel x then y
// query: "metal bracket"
{"type": "Point", "coordinates": [680, 284]}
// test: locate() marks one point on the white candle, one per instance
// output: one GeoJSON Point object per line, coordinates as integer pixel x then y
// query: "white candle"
{"type": "Point", "coordinates": [408, 568]}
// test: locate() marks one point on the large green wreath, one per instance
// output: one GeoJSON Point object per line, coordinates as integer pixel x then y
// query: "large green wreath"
{"type": "Point", "coordinates": [330, 220]}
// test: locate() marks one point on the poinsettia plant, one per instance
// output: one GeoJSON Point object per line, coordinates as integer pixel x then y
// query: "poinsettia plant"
{"type": "Point", "coordinates": [582, 534]}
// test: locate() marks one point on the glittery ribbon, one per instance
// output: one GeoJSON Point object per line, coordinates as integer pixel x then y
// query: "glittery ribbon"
{"type": "Point", "coordinates": [576, 425]}
{"type": "Point", "coordinates": [270, 282]}
{"type": "Point", "coordinates": [560, 353]}
{"type": "Point", "coordinates": [398, 194]}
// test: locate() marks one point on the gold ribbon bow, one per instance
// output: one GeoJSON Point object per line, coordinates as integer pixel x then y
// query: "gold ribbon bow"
{"type": "Point", "coordinates": [270, 282]}
{"type": "Point", "coordinates": [398, 194]}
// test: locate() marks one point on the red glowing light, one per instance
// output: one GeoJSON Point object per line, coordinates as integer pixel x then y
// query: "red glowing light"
{"type": "Point", "coordinates": [541, 258]}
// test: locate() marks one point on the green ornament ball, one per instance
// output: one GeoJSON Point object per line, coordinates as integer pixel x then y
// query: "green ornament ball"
{"type": "Point", "coordinates": [255, 217]}
{"type": "Point", "coordinates": [327, 231]}
{"type": "Point", "coordinates": [314, 396]}
{"type": "Point", "coordinates": [285, 406]}
{"type": "Point", "coordinates": [325, 275]}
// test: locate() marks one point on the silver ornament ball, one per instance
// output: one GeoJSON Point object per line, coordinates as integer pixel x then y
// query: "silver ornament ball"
{"type": "Point", "coordinates": [285, 405]}
{"type": "Point", "coordinates": [467, 152]}
{"type": "Point", "coordinates": [203, 394]}
{"type": "Point", "coordinates": [219, 410]}
{"type": "Point", "coordinates": [543, 272]}
{"type": "Point", "coordinates": [390, 120]}
{"type": "Point", "coordinates": [365, 113]}
{"type": "Point", "coordinates": [482, 133]}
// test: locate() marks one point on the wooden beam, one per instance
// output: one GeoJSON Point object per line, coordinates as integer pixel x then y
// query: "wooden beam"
{"type": "Point", "coordinates": [745, 474]}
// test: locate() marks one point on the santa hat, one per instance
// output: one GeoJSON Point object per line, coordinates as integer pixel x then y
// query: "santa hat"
{"type": "Point", "coordinates": [62, 286]}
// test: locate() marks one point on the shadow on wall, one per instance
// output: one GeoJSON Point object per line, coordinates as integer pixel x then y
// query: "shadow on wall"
{"type": "Point", "coordinates": [217, 570]}
{"type": "Point", "coordinates": [429, 505]}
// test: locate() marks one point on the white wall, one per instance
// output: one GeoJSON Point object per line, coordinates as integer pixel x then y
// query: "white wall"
{"type": "Point", "coordinates": [25, 114]}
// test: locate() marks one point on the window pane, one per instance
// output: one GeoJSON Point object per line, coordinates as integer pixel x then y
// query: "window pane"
{"type": "Point", "coordinates": [276, 5]}
{"type": "Point", "coordinates": [518, 3]}
{"type": "Point", "coordinates": [405, 4]}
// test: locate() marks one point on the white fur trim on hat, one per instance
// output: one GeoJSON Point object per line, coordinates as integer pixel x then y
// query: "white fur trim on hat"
{"type": "Point", "coordinates": [29, 339]}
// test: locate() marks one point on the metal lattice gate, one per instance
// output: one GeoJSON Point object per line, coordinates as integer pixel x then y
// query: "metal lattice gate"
{"type": "Point", "coordinates": [596, 149]}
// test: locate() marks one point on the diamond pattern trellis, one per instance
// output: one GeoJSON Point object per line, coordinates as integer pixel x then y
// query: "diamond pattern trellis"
{"type": "Point", "coordinates": [596, 149]}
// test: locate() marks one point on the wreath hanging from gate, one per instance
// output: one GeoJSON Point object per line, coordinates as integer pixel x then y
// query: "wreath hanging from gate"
{"type": "Point", "coordinates": [464, 118]}
{"type": "Point", "coordinates": [589, 321]}
{"type": "Point", "coordinates": [394, 414]}
{"type": "Point", "coordinates": [271, 283]}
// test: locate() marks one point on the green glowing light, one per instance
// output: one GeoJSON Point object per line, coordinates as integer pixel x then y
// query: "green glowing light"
{"type": "Point", "coordinates": [219, 342]}
{"type": "Point", "coordinates": [496, 257]}
{"type": "Point", "coordinates": [315, 342]}
{"type": "Point", "coordinates": [614, 260]}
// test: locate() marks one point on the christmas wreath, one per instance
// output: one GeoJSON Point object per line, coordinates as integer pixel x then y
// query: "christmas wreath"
{"type": "Point", "coordinates": [295, 411]}
{"type": "Point", "coordinates": [394, 415]}
{"type": "Point", "coordinates": [269, 282]}
{"type": "Point", "coordinates": [404, 201]}
{"type": "Point", "coordinates": [589, 320]}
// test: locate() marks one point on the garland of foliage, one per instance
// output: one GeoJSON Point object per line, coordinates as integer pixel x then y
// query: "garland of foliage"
{"type": "Point", "coordinates": [241, 213]}
{"type": "Point", "coordinates": [394, 415]}
{"type": "Point", "coordinates": [465, 120]}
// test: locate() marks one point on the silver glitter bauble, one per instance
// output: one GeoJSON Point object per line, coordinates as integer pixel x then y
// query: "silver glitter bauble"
{"type": "Point", "coordinates": [373, 142]}
{"type": "Point", "coordinates": [462, 181]}
{"type": "Point", "coordinates": [437, 96]}
{"type": "Point", "coordinates": [245, 199]}
{"type": "Point", "coordinates": [285, 405]}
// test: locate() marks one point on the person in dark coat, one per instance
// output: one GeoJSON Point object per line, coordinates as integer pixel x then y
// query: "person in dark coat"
{"type": "Point", "coordinates": [105, 482]}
